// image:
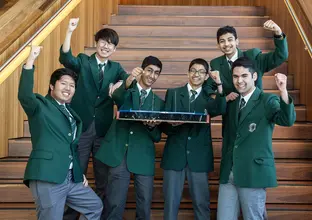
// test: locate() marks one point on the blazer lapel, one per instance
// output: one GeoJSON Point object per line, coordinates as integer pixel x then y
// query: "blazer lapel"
{"type": "Point", "coordinates": [57, 106]}
{"type": "Point", "coordinates": [226, 72]}
{"type": "Point", "coordinates": [184, 99]}
{"type": "Point", "coordinates": [95, 71]}
{"type": "Point", "coordinates": [149, 103]}
{"type": "Point", "coordinates": [252, 102]}
{"type": "Point", "coordinates": [107, 76]}
{"type": "Point", "coordinates": [78, 121]}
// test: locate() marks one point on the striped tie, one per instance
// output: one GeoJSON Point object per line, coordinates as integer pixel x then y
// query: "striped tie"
{"type": "Point", "coordinates": [142, 97]}
{"type": "Point", "coordinates": [70, 118]}
{"type": "Point", "coordinates": [193, 96]}
{"type": "Point", "coordinates": [101, 72]}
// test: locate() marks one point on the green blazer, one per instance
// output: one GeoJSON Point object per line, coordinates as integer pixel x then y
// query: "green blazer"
{"type": "Point", "coordinates": [264, 62]}
{"type": "Point", "coordinates": [247, 142]}
{"type": "Point", "coordinates": [131, 138]}
{"type": "Point", "coordinates": [52, 142]}
{"type": "Point", "coordinates": [190, 144]}
{"type": "Point", "coordinates": [91, 102]}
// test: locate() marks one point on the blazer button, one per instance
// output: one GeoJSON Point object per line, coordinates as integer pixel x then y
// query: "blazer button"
{"type": "Point", "coordinates": [238, 136]}
{"type": "Point", "coordinates": [126, 145]}
{"type": "Point", "coordinates": [69, 134]}
{"type": "Point", "coordinates": [70, 157]}
{"type": "Point", "coordinates": [189, 138]}
{"type": "Point", "coordinates": [131, 132]}
{"type": "Point", "coordinates": [188, 152]}
{"type": "Point", "coordinates": [235, 146]}
{"type": "Point", "coordinates": [98, 97]}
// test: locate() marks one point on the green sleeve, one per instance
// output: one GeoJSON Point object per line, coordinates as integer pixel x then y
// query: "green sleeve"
{"type": "Point", "coordinates": [69, 61]}
{"type": "Point", "coordinates": [279, 112]}
{"type": "Point", "coordinates": [271, 60]}
{"type": "Point", "coordinates": [26, 96]}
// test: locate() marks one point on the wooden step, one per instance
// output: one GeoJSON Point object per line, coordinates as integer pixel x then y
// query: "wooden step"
{"type": "Point", "coordinates": [295, 94]}
{"type": "Point", "coordinates": [292, 170]}
{"type": "Point", "coordinates": [173, 81]}
{"type": "Point", "coordinates": [296, 132]}
{"type": "Point", "coordinates": [181, 31]}
{"type": "Point", "coordinates": [193, 10]}
{"type": "Point", "coordinates": [283, 194]}
{"type": "Point", "coordinates": [162, 54]}
{"type": "Point", "coordinates": [173, 68]}
{"type": "Point", "coordinates": [211, 21]}
{"type": "Point", "coordinates": [190, 43]}
{"type": "Point", "coordinates": [289, 149]}
{"type": "Point", "coordinates": [30, 214]}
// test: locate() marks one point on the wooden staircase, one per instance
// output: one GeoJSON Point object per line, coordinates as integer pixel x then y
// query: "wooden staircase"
{"type": "Point", "coordinates": [178, 34]}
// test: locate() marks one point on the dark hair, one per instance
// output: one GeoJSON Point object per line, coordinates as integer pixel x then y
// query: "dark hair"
{"type": "Point", "coordinates": [108, 35]}
{"type": "Point", "coordinates": [57, 75]}
{"type": "Point", "coordinates": [224, 30]}
{"type": "Point", "coordinates": [150, 60]}
{"type": "Point", "coordinates": [201, 62]}
{"type": "Point", "coordinates": [246, 63]}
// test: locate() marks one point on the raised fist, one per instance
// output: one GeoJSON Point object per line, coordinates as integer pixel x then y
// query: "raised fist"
{"type": "Point", "coordinates": [272, 26]}
{"type": "Point", "coordinates": [281, 81]}
{"type": "Point", "coordinates": [215, 75]}
{"type": "Point", "coordinates": [73, 23]}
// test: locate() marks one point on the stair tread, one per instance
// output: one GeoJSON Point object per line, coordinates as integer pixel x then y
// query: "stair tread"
{"type": "Point", "coordinates": [189, 31]}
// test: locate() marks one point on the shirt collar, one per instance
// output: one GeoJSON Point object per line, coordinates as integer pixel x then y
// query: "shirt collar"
{"type": "Point", "coordinates": [247, 97]}
{"type": "Point", "coordinates": [100, 62]}
{"type": "Point", "coordinates": [189, 88]}
{"type": "Point", "coordinates": [140, 88]}
{"type": "Point", "coordinates": [234, 57]}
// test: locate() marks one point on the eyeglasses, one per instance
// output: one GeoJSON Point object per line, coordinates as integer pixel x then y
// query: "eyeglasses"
{"type": "Point", "coordinates": [107, 44]}
{"type": "Point", "coordinates": [200, 72]}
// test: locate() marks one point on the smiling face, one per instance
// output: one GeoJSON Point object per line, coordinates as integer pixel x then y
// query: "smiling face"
{"type": "Point", "coordinates": [197, 75]}
{"type": "Point", "coordinates": [244, 80]}
{"type": "Point", "coordinates": [228, 44]}
{"type": "Point", "coordinates": [64, 89]}
{"type": "Point", "coordinates": [149, 76]}
{"type": "Point", "coordinates": [104, 49]}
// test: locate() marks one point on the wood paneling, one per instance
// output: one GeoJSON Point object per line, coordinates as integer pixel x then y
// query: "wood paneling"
{"type": "Point", "coordinates": [11, 113]}
{"type": "Point", "coordinates": [299, 61]}
{"type": "Point", "coordinates": [188, 2]}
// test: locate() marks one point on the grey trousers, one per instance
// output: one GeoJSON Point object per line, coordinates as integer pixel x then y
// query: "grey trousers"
{"type": "Point", "coordinates": [117, 190]}
{"type": "Point", "coordinates": [89, 143]}
{"type": "Point", "coordinates": [50, 199]}
{"type": "Point", "coordinates": [250, 200]}
{"type": "Point", "coordinates": [199, 189]}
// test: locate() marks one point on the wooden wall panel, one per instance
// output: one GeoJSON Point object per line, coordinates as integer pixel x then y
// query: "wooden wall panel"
{"type": "Point", "coordinates": [188, 2]}
{"type": "Point", "coordinates": [11, 113]}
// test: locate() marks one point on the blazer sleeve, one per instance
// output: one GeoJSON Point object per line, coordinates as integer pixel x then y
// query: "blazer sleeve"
{"type": "Point", "coordinates": [120, 95]}
{"type": "Point", "coordinates": [279, 112]}
{"type": "Point", "coordinates": [122, 74]}
{"type": "Point", "coordinates": [26, 96]}
{"type": "Point", "coordinates": [216, 106]}
{"type": "Point", "coordinates": [70, 61]}
{"type": "Point", "coordinates": [271, 60]}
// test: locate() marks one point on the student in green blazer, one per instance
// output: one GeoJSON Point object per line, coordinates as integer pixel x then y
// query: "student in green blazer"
{"type": "Point", "coordinates": [91, 100]}
{"type": "Point", "coordinates": [247, 165]}
{"type": "Point", "coordinates": [188, 150]}
{"type": "Point", "coordinates": [228, 44]}
{"type": "Point", "coordinates": [53, 171]}
{"type": "Point", "coordinates": [128, 146]}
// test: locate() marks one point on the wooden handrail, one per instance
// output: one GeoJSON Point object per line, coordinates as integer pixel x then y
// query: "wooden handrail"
{"type": "Point", "coordinates": [19, 56]}
{"type": "Point", "coordinates": [302, 33]}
